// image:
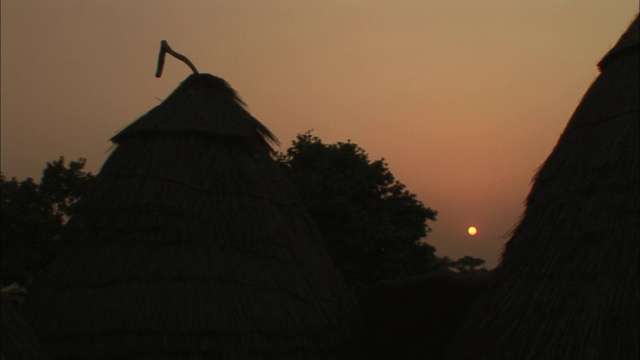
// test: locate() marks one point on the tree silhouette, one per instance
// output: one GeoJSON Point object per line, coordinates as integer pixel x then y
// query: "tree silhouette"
{"type": "Point", "coordinates": [374, 227]}
{"type": "Point", "coordinates": [33, 217]}
{"type": "Point", "coordinates": [468, 264]}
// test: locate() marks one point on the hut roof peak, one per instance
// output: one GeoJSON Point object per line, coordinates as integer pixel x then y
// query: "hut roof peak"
{"type": "Point", "coordinates": [629, 40]}
{"type": "Point", "coordinates": [202, 103]}
{"type": "Point", "coordinates": [205, 104]}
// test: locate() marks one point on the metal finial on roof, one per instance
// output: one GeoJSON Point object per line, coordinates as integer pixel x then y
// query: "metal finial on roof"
{"type": "Point", "coordinates": [165, 48]}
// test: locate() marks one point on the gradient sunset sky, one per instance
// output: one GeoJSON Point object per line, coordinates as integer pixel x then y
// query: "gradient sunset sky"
{"type": "Point", "coordinates": [464, 99]}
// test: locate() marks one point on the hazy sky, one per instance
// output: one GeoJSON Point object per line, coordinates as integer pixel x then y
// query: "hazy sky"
{"type": "Point", "coordinates": [463, 98]}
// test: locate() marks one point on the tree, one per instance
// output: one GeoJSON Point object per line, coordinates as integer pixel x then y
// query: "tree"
{"type": "Point", "coordinates": [65, 186]}
{"type": "Point", "coordinates": [468, 264]}
{"type": "Point", "coordinates": [373, 226]}
{"type": "Point", "coordinates": [33, 217]}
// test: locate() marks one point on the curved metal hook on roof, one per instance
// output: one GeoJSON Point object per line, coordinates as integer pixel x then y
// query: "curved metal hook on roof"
{"type": "Point", "coordinates": [164, 49]}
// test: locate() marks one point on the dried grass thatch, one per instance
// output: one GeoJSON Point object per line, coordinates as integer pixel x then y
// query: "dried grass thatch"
{"type": "Point", "coordinates": [568, 283]}
{"type": "Point", "coordinates": [192, 243]}
{"type": "Point", "coordinates": [18, 341]}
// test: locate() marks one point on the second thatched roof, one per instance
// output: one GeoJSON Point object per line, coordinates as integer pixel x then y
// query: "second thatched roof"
{"type": "Point", "coordinates": [193, 244]}
{"type": "Point", "coordinates": [568, 283]}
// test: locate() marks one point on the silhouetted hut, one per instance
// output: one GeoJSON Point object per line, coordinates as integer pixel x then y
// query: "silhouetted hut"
{"type": "Point", "coordinates": [17, 339]}
{"type": "Point", "coordinates": [193, 243]}
{"type": "Point", "coordinates": [568, 283]}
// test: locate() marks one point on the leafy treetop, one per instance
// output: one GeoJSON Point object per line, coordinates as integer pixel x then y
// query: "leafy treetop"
{"type": "Point", "coordinates": [373, 226]}
{"type": "Point", "coordinates": [33, 217]}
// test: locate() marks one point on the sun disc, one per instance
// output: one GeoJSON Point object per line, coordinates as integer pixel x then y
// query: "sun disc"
{"type": "Point", "coordinates": [472, 230]}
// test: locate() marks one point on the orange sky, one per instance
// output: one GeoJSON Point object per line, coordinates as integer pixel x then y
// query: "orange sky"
{"type": "Point", "coordinates": [463, 98]}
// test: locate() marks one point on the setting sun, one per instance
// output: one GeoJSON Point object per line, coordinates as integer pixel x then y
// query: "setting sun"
{"type": "Point", "coordinates": [472, 230]}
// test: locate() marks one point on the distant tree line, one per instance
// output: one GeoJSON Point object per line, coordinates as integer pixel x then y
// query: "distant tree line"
{"type": "Point", "coordinates": [374, 228]}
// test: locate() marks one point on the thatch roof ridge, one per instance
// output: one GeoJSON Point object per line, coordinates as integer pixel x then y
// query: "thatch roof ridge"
{"type": "Point", "coordinates": [629, 40]}
{"type": "Point", "coordinates": [195, 106]}
{"type": "Point", "coordinates": [568, 283]}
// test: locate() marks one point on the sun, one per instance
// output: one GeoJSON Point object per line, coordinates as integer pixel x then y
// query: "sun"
{"type": "Point", "coordinates": [472, 230]}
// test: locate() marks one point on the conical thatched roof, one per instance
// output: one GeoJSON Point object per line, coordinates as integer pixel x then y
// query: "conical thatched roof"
{"type": "Point", "coordinates": [568, 284]}
{"type": "Point", "coordinates": [192, 243]}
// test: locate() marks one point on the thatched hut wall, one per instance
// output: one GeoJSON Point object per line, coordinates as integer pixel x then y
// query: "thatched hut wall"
{"type": "Point", "coordinates": [568, 283]}
{"type": "Point", "coordinates": [192, 244]}
{"type": "Point", "coordinates": [18, 340]}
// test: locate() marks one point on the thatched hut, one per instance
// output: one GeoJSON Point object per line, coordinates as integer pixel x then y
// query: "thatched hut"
{"type": "Point", "coordinates": [192, 243]}
{"type": "Point", "coordinates": [17, 339]}
{"type": "Point", "coordinates": [568, 283]}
